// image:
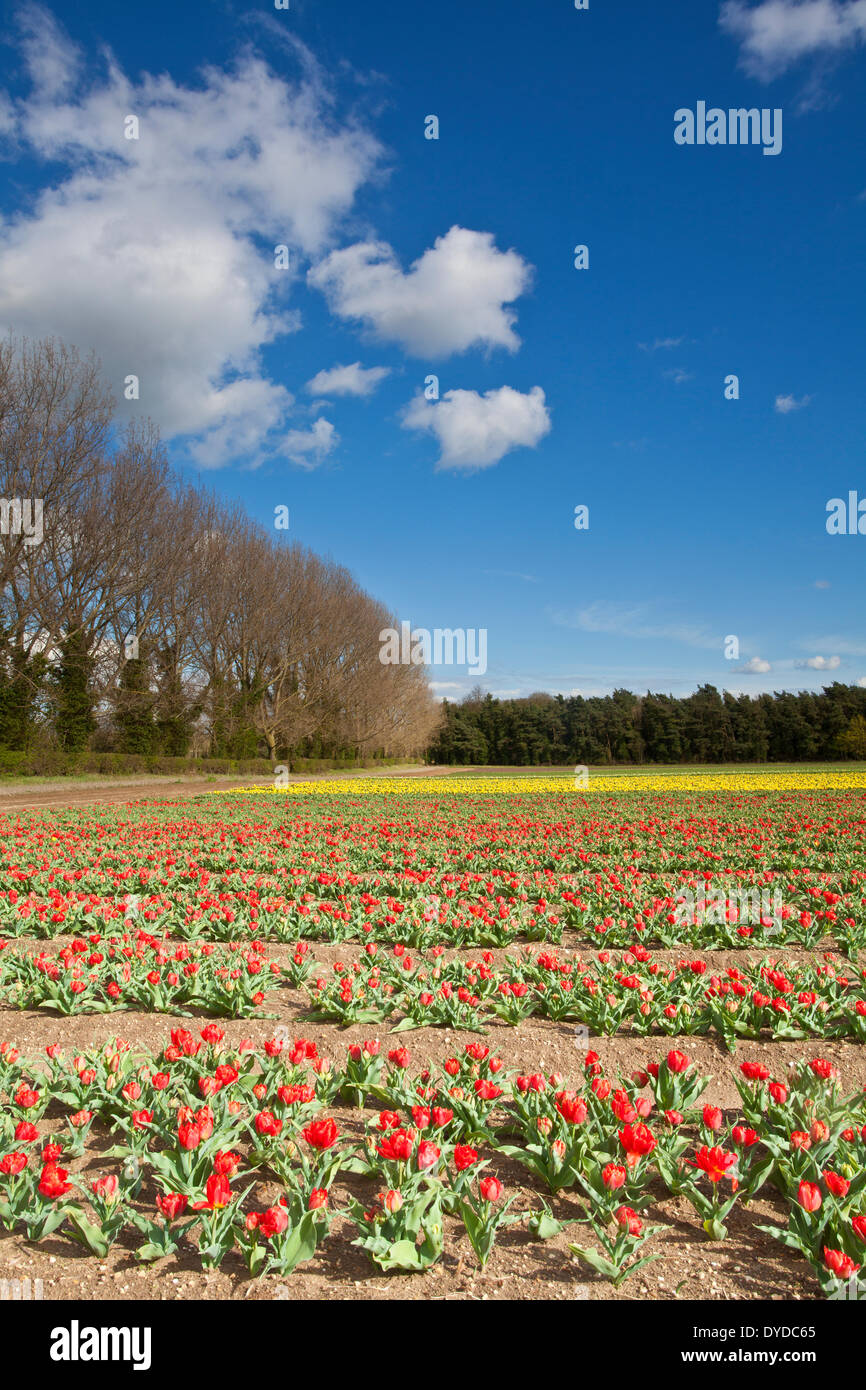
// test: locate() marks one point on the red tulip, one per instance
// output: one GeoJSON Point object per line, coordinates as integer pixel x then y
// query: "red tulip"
{"type": "Point", "coordinates": [219, 1194]}
{"type": "Point", "coordinates": [106, 1187]}
{"type": "Point", "coordinates": [839, 1263]}
{"type": "Point", "coordinates": [572, 1109]}
{"type": "Point", "coordinates": [464, 1157]}
{"type": "Point", "coordinates": [171, 1205]}
{"type": "Point", "coordinates": [268, 1124]}
{"type": "Point", "coordinates": [53, 1182]}
{"type": "Point", "coordinates": [809, 1196]}
{"type": "Point", "coordinates": [490, 1189]}
{"type": "Point", "coordinates": [629, 1219]}
{"type": "Point", "coordinates": [14, 1163]}
{"type": "Point", "coordinates": [613, 1176]}
{"type": "Point", "coordinates": [427, 1154]}
{"type": "Point", "coordinates": [321, 1134]}
{"type": "Point", "coordinates": [189, 1136]}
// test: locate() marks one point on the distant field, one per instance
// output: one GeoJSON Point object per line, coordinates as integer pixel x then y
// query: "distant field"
{"type": "Point", "coordinates": [568, 782]}
{"type": "Point", "coordinates": [653, 770]}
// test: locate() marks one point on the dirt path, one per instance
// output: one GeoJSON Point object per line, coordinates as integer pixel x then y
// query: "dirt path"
{"type": "Point", "coordinates": [56, 795]}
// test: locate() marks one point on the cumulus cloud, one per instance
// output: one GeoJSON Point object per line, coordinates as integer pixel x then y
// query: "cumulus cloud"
{"type": "Point", "coordinates": [755, 666]}
{"type": "Point", "coordinates": [451, 299]}
{"type": "Point", "coordinates": [861, 681]}
{"type": "Point", "coordinates": [777, 34]}
{"type": "Point", "coordinates": [353, 380]}
{"type": "Point", "coordinates": [820, 663]}
{"type": "Point", "coordinates": [310, 447]}
{"type": "Point", "coordinates": [785, 404]}
{"type": "Point", "coordinates": [476, 431]}
{"type": "Point", "coordinates": [235, 418]}
{"type": "Point", "coordinates": [159, 252]}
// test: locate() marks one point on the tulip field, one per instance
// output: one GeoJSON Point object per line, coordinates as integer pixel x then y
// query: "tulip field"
{"type": "Point", "coordinates": [439, 1038]}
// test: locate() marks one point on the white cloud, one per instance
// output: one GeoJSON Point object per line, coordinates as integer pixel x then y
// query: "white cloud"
{"type": "Point", "coordinates": [453, 297]}
{"type": "Point", "coordinates": [820, 663]}
{"type": "Point", "coordinates": [755, 666]}
{"type": "Point", "coordinates": [785, 404]}
{"type": "Point", "coordinates": [633, 620]}
{"type": "Point", "coordinates": [51, 59]}
{"type": "Point", "coordinates": [661, 343]}
{"type": "Point", "coordinates": [158, 252]}
{"type": "Point", "coordinates": [861, 681]}
{"type": "Point", "coordinates": [776, 34]}
{"type": "Point", "coordinates": [476, 431]}
{"type": "Point", "coordinates": [353, 380]}
{"type": "Point", "coordinates": [310, 447]}
{"type": "Point", "coordinates": [677, 375]}
{"type": "Point", "coordinates": [235, 418]}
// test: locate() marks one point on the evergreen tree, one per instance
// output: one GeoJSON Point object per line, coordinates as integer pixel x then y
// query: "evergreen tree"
{"type": "Point", "coordinates": [73, 697]}
{"type": "Point", "coordinates": [133, 706]}
{"type": "Point", "coordinates": [22, 679]}
{"type": "Point", "coordinates": [705, 727]}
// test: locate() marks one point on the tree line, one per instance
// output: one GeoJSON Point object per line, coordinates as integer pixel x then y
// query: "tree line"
{"type": "Point", "coordinates": [705, 727]}
{"type": "Point", "coordinates": [152, 617]}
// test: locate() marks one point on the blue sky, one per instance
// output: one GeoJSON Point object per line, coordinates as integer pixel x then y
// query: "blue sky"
{"type": "Point", "coordinates": [454, 257]}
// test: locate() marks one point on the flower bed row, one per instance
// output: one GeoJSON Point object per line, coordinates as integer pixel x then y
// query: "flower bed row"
{"type": "Point", "coordinates": [737, 909]}
{"type": "Point", "coordinates": [484, 871]}
{"type": "Point", "coordinates": [229, 1150]}
{"type": "Point", "coordinates": [632, 991]}
{"type": "Point", "coordinates": [136, 971]}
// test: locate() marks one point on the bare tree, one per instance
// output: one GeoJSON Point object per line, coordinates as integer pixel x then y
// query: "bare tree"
{"type": "Point", "coordinates": [152, 601]}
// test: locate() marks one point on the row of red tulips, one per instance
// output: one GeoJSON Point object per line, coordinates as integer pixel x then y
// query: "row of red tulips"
{"type": "Point", "coordinates": [737, 908]}
{"type": "Point", "coordinates": [231, 1149]}
{"type": "Point", "coordinates": [632, 991]}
